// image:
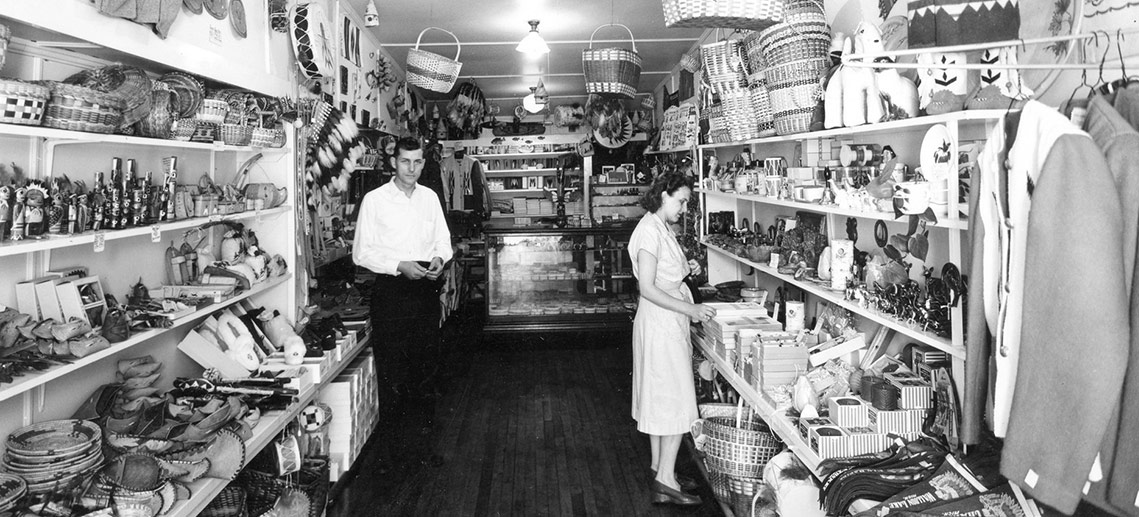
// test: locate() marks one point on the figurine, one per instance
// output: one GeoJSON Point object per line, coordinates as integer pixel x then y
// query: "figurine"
{"type": "Point", "coordinates": [18, 216]}
{"type": "Point", "coordinates": [35, 213]}
{"type": "Point", "coordinates": [5, 210]}
{"type": "Point", "coordinates": [73, 214]}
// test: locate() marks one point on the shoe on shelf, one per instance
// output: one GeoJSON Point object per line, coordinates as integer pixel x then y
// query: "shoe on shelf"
{"type": "Point", "coordinates": [686, 483]}
{"type": "Point", "coordinates": [665, 495]}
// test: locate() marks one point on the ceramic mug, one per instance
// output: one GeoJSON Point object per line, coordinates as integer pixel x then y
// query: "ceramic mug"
{"type": "Point", "coordinates": [912, 197]}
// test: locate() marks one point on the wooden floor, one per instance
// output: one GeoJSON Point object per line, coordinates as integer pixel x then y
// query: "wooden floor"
{"type": "Point", "coordinates": [526, 428]}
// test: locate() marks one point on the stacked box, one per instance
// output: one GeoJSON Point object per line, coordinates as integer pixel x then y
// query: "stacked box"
{"type": "Point", "coordinates": [914, 392]}
{"type": "Point", "coordinates": [849, 412]}
{"type": "Point", "coordinates": [829, 441]}
{"type": "Point", "coordinates": [901, 421]}
{"type": "Point", "coordinates": [353, 397]}
{"type": "Point", "coordinates": [805, 424]}
{"type": "Point", "coordinates": [782, 357]}
{"type": "Point", "coordinates": [865, 440]}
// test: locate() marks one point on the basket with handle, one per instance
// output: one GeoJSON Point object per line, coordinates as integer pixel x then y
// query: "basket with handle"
{"type": "Point", "coordinates": [432, 71]}
{"type": "Point", "coordinates": [794, 90]}
{"type": "Point", "coordinates": [731, 14]}
{"type": "Point", "coordinates": [611, 70]}
{"type": "Point", "coordinates": [724, 68]}
{"type": "Point", "coordinates": [739, 447]}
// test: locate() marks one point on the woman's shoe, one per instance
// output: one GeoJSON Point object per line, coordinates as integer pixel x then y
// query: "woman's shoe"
{"type": "Point", "coordinates": [686, 483]}
{"type": "Point", "coordinates": [664, 495]}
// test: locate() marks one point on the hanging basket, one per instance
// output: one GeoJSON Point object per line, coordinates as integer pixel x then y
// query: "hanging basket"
{"type": "Point", "coordinates": [731, 14]}
{"type": "Point", "coordinates": [611, 70]}
{"type": "Point", "coordinates": [431, 71]}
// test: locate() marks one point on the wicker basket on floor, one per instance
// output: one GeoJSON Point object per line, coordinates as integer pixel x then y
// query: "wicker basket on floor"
{"type": "Point", "coordinates": [742, 492]}
{"type": "Point", "coordinates": [262, 489]}
{"type": "Point", "coordinates": [719, 482]}
{"type": "Point", "coordinates": [77, 108]}
{"type": "Point", "coordinates": [739, 451]}
{"type": "Point", "coordinates": [22, 103]}
{"type": "Point", "coordinates": [229, 503]}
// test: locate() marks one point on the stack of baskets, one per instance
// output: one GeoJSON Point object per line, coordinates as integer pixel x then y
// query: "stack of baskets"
{"type": "Point", "coordinates": [726, 71]}
{"type": "Point", "coordinates": [737, 445]}
{"type": "Point", "coordinates": [795, 52]}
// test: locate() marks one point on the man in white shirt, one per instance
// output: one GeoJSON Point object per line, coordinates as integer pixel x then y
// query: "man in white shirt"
{"type": "Point", "coordinates": [402, 236]}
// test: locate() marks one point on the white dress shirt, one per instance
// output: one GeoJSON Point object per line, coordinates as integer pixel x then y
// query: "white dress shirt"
{"type": "Point", "coordinates": [393, 227]}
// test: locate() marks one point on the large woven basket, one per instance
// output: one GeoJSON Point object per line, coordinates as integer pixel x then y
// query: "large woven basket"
{"type": "Point", "coordinates": [761, 103]}
{"type": "Point", "coordinates": [721, 487]}
{"type": "Point", "coordinates": [229, 503]}
{"type": "Point", "coordinates": [262, 488]}
{"type": "Point", "coordinates": [743, 121]}
{"type": "Point", "coordinates": [743, 491]}
{"type": "Point", "coordinates": [611, 70]}
{"type": "Point", "coordinates": [77, 108]}
{"type": "Point", "coordinates": [130, 83]}
{"type": "Point", "coordinates": [732, 14]}
{"type": "Point", "coordinates": [22, 103]}
{"type": "Point", "coordinates": [794, 90]}
{"type": "Point", "coordinates": [432, 71]}
{"type": "Point", "coordinates": [724, 68]}
{"type": "Point", "coordinates": [740, 451]}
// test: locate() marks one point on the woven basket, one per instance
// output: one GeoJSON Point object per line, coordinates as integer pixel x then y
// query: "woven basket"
{"type": "Point", "coordinates": [5, 37]}
{"type": "Point", "coordinates": [611, 70]}
{"type": "Point", "coordinates": [229, 503]}
{"type": "Point", "coordinates": [77, 108]}
{"type": "Point", "coordinates": [743, 491]}
{"type": "Point", "coordinates": [264, 136]}
{"type": "Point", "coordinates": [212, 111]}
{"type": "Point", "coordinates": [183, 128]}
{"type": "Point", "coordinates": [262, 489]}
{"type": "Point", "coordinates": [761, 103]}
{"type": "Point", "coordinates": [719, 482]}
{"type": "Point", "coordinates": [205, 132]}
{"type": "Point", "coordinates": [732, 14]}
{"type": "Point", "coordinates": [739, 451]}
{"type": "Point", "coordinates": [158, 122]}
{"type": "Point", "coordinates": [130, 83]}
{"type": "Point", "coordinates": [786, 43]}
{"type": "Point", "coordinates": [794, 91]}
{"type": "Point", "coordinates": [743, 122]}
{"type": "Point", "coordinates": [22, 103]}
{"type": "Point", "coordinates": [279, 138]}
{"type": "Point", "coordinates": [724, 68]}
{"type": "Point", "coordinates": [236, 134]}
{"type": "Point", "coordinates": [431, 71]}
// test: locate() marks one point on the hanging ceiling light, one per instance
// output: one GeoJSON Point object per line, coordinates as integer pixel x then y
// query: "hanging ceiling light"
{"type": "Point", "coordinates": [371, 15]}
{"type": "Point", "coordinates": [533, 42]}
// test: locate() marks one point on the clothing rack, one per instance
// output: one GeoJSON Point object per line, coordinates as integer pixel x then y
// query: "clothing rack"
{"type": "Point", "coordinates": [868, 59]}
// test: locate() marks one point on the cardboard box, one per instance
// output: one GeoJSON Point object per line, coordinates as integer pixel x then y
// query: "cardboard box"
{"type": "Point", "coordinates": [849, 411]}
{"type": "Point", "coordinates": [805, 424]}
{"type": "Point", "coordinates": [26, 300]}
{"type": "Point", "coordinates": [83, 299]}
{"type": "Point", "coordinates": [48, 299]}
{"type": "Point", "coordinates": [829, 441]}
{"type": "Point", "coordinates": [865, 440]}
{"type": "Point", "coordinates": [901, 421]}
{"type": "Point", "coordinates": [914, 392]}
{"type": "Point", "coordinates": [209, 355]}
{"type": "Point", "coordinates": [819, 355]}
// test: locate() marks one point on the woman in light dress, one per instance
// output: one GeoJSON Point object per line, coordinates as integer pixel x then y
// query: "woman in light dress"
{"type": "Point", "coordinates": [664, 395]}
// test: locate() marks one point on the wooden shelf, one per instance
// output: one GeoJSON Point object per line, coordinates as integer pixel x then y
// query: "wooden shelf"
{"type": "Point", "coordinates": [49, 242]}
{"type": "Point", "coordinates": [27, 382]}
{"type": "Point", "coordinates": [776, 419]}
{"type": "Point", "coordinates": [63, 136]}
{"type": "Point", "coordinates": [952, 223]}
{"type": "Point", "coordinates": [836, 298]}
{"type": "Point", "coordinates": [523, 172]}
{"type": "Point", "coordinates": [673, 150]}
{"type": "Point", "coordinates": [205, 490]}
{"type": "Point", "coordinates": [883, 127]}
{"type": "Point", "coordinates": [554, 154]}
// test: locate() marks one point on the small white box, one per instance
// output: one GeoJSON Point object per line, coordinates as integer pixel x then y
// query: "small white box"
{"type": "Point", "coordinates": [914, 392]}
{"type": "Point", "coordinates": [864, 440]}
{"type": "Point", "coordinates": [849, 411]}
{"type": "Point", "coordinates": [900, 421]}
{"type": "Point", "coordinates": [829, 441]}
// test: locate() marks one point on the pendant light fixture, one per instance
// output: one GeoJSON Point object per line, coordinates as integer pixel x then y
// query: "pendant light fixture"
{"type": "Point", "coordinates": [371, 15]}
{"type": "Point", "coordinates": [533, 42]}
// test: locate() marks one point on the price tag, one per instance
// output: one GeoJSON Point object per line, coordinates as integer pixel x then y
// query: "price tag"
{"type": "Point", "coordinates": [215, 35]}
{"type": "Point", "coordinates": [100, 242]}
{"type": "Point", "coordinates": [155, 233]}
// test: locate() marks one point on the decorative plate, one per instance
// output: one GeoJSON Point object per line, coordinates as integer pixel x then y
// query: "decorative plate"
{"type": "Point", "coordinates": [15, 464]}
{"type": "Point", "coordinates": [237, 17]}
{"type": "Point", "coordinates": [217, 8]}
{"type": "Point", "coordinates": [194, 6]}
{"type": "Point", "coordinates": [613, 143]}
{"type": "Point", "coordinates": [937, 153]}
{"type": "Point", "coordinates": [54, 437]}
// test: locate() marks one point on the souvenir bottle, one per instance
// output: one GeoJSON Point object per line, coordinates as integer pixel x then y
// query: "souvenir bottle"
{"type": "Point", "coordinates": [18, 216]}
{"type": "Point", "coordinates": [5, 210]}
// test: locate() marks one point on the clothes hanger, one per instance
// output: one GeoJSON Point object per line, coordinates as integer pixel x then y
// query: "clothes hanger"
{"type": "Point", "coordinates": [1124, 80]}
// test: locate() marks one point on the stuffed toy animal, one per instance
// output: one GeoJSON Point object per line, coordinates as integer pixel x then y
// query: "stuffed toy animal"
{"type": "Point", "coordinates": [857, 95]}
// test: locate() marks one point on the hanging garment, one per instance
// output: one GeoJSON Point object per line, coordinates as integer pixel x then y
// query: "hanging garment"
{"type": "Point", "coordinates": [1071, 308]}
{"type": "Point", "coordinates": [1119, 141]}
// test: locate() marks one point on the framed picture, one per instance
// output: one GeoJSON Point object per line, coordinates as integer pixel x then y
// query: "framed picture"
{"type": "Point", "coordinates": [607, 173]}
{"type": "Point", "coordinates": [623, 173]}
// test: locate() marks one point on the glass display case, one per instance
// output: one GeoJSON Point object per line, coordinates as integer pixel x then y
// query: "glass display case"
{"type": "Point", "coordinates": [559, 279]}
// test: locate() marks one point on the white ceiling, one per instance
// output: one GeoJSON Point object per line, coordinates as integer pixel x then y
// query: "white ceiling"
{"type": "Point", "coordinates": [488, 31]}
